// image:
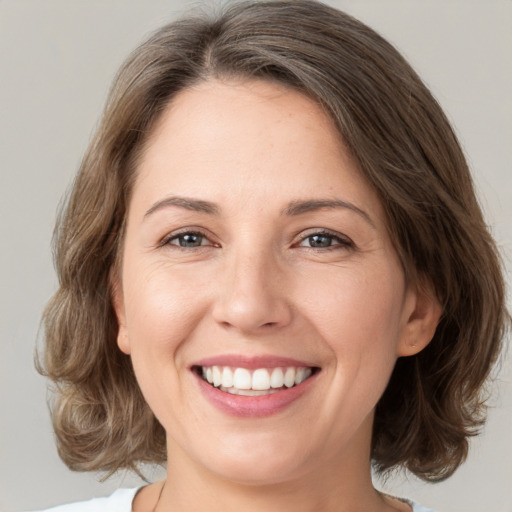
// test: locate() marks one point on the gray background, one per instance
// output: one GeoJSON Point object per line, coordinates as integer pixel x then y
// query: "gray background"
{"type": "Point", "coordinates": [57, 59]}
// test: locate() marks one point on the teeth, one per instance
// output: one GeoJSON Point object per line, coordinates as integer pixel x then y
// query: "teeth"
{"type": "Point", "coordinates": [277, 379]}
{"type": "Point", "coordinates": [299, 375]}
{"type": "Point", "coordinates": [217, 376]}
{"type": "Point", "coordinates": [289, 377]}
{"type": "Point", "coordinates": [227, 377]}
{"type": "Point", "coordinates": [248, 392]}
{"type": "Point", "coordinates": [261, 381]}
{"type": "Point", "coordinates": [242, 379]}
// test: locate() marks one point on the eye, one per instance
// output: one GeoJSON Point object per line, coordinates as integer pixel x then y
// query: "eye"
{"type": "Point", "coordinates": [187, 240]}
{"type": "Point", "coordinates": [325, 240]}
{"type": "Point", "coordinates": [319, 241]}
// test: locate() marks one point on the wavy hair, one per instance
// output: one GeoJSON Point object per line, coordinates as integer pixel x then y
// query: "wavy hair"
{"type": "Point", "coordinates": [405, 148]}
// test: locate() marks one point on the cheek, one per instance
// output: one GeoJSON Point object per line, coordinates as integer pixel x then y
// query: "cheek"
{"type": "Point", "coordinates": [359, 314]}
{"type": "Point", "coordinates": [162, 307]}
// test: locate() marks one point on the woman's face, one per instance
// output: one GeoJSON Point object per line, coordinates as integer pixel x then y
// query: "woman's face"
{"type": "Point", "coordinates": [257, 256]}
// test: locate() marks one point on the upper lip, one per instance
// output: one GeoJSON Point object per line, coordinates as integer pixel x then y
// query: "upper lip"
{"type": "Point", "coordinates": [252, 362]}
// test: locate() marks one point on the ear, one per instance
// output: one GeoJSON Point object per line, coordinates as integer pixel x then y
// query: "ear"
{"type": "Point", "coordinates": [422, 312]}
{"type": "Point", "coordinates": [119, 308]}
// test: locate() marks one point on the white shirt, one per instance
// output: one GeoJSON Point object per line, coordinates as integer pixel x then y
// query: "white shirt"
{"type": "Point", "coordinates": [122, 499]}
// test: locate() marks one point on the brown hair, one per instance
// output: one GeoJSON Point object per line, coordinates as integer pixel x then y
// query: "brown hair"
{"type": "Point", "coordinates": [407, 151]}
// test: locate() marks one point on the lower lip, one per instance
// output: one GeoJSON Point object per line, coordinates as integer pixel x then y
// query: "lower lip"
{"type": "Point", "coordinates": [253, 406]}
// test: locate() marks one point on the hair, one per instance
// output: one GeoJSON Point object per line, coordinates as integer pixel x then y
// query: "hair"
{"type": "Point", "coordinates": [405, 148]}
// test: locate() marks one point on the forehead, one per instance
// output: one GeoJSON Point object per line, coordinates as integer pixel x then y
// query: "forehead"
{"type": "Point", "coordinates": [238, 113]}
{"type": "Point", "coordinates": [252, 139]}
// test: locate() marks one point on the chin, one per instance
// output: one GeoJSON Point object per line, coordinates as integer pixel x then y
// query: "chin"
{"type": "Point", "coordinates": [256, 460]}
{"type": "Point", "coordinates": [251, 471]}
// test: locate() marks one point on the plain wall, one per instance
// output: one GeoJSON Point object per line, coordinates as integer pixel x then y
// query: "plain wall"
{"type": "Point", "coordinates": [57, 59]}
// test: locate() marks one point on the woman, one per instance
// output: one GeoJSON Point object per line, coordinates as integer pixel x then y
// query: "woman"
{"type": "Point", "coordinates": [274, 273]}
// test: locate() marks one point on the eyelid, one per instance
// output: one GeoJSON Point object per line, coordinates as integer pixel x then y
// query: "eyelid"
{"type": "Point", "coordinates": [344, 240]}
{"type": "Point", "coordinates": [189, 230]}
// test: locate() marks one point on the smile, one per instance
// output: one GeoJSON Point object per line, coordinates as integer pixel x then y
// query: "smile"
{"type": "Point", "coordinates": [254, 386]}
{"type": "Point", "coordinates": [253, 382]}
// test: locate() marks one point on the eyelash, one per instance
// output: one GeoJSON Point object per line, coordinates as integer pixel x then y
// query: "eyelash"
{"type": "Point", "coordinates": [190, 232]}
{"type": "Point", "coordinates": [342, 241]}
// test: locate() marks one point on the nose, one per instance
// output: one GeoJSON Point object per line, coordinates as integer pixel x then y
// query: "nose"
{"type": "Point", "coordinates": [252, 294]}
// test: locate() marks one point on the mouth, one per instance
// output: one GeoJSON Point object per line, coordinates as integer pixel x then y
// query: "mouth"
{"type": "Point", "coordinates": [254, 381]}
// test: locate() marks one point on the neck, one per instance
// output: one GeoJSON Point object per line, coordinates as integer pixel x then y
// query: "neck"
{"type": "Point", "coordinates": [340, 483]}
{"type": "Point", "coordinates": [302, 494]}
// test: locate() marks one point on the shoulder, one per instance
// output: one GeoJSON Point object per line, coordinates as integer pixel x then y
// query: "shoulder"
{"type": "Point", "coordinates": [120, 501]}
{"type": "Point", "coordinates": [414, 506]}
{"type": "Point", "coordinates": [419, 508]}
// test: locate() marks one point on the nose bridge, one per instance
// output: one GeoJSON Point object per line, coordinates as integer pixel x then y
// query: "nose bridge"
{"type": "Point", "coordinates": [252, 294]}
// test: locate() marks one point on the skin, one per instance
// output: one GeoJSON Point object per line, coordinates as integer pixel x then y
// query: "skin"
{"type": "Point", "coordinates": [256, 286]}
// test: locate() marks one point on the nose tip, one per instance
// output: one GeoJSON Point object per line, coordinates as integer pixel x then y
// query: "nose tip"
{"type": "Point", "coordinates": [252, 299]}
{"type": "Point", "coordinates": [246, 315]}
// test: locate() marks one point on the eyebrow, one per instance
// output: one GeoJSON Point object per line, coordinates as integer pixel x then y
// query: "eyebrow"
{"type": "Point", "coordinates": [195, 205]}
{"type": "Point", "coordinates": [300, 207]}
{"type": "Point", "coordinates": [294, 208]}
